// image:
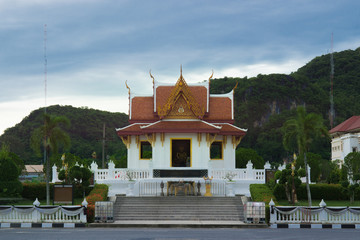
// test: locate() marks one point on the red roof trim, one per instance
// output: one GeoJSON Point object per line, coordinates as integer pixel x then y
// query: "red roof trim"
{"type": "Point", "coordinates": [348, 125]}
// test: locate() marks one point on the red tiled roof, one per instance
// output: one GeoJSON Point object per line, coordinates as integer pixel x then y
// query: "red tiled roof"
{"type": "Point", "coordinates": [142, 109]}
{"type": "Point", "coordinates": [181, 127]}
{"type": "Point", "coordinates": [133, 129]}
{"type": "Point", "coordinates": [350, 124]}
{"type": "Point", "coordinates": [229, 129]}
{"type": "Point", "coordinates": [219, 109]}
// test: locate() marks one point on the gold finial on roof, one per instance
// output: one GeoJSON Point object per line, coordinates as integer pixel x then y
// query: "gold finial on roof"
{"type": "Point", "coordinates": [181, 71]}
{"type": "Point", "coordinates": [127, 87]}
{"type": "Point", "coordinates": [152, 77]}
{"type": "Point", "coordinates": [212, 74]}
{"type": "Point", "coordinates": [236, 85]}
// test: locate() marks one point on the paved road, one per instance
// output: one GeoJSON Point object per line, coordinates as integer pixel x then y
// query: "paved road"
{"type": "Point", "coordinates": [175, 234]}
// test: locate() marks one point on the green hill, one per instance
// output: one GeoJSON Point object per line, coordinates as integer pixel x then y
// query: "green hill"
{"type": "Point", "coordinates": [265, 102]}
{"type": "Point", "coordinates": [86, 131]}
{"type": "Point", "coordinates": [262, 104]}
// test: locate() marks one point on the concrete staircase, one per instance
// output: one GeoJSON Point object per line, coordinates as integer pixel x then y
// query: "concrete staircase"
{"type": "Point", "coordinates": [179, 208]}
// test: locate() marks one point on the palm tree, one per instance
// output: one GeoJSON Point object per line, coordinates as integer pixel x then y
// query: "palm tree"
{"type": "Point", "coordinates": [303, 129]}
{"type": "Point", "coordinates": [50, 136]}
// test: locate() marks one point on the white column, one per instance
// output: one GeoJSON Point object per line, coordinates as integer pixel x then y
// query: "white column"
{"type": "Point", "coordinates": [249, 170]}
{"type": "Point", "coordinates": [54, 174]}
{"type": "Point", "coordinates": [272, 212]}
{"type": "Point", "coordinates": [94, 168]}
{"type": "Point", "coordinates": [111, 170]}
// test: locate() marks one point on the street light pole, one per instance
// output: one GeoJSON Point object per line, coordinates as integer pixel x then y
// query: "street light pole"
{"type": "Point", "coordinates": [293, 174]}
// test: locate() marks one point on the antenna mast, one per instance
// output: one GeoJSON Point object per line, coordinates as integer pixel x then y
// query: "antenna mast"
{"type": "Point", "coordinates": [45, 67]}
{"type": "Point", "coordinates": [45, 89]}
{"type": "Point", "coordinates": [332, 112]}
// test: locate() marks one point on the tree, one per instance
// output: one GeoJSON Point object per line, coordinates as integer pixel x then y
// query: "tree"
{"type": "Point", "coordinates": [243, 155]}
{"type": "Point", "coordinates": [50, 137]}
{"type": "Point", "coordinates": [303, 128]}
{"type": "Point", "coordinates": [10, 186]}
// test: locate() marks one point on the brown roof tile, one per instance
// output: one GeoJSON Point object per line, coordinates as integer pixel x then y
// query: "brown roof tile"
{"type": "Point", "coordinates": [350, 124]}
{"type": "Point", "coordinates": [219, 109]}
{"type": "Point", "coordinates": [142, 109]}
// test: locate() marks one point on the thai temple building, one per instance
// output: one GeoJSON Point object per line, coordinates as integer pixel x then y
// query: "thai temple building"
{"type": "Point", "coordinates": [181, 127]}
{"type": "Point", "coordinates": [180, 134]}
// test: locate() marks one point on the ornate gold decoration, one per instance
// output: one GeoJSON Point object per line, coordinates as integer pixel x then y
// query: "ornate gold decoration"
{"type": "Point", "coordinates": [137, 140]}
{"type": "Point", "coordinates": [236, 85]}
{"type": "Point", "coordinates": [199, 138]}
{"type": "Point", "coordinates": [153, 79]}
{"type": "Point", "coordinates": [236, 140]}
{"type": "Point", "coordinates": [210, 138]}
{"type": "Point", "coordinates": [151, 138]}
{"type": "Point", "coordinates": [224, 141]}
{"type": "Point", "coordinates": [181, 89]}
{"type": "Point", "coordinates": [162, 138]}
{"type": "Point", "coordinates": [127, 88]}
{"type": "Point", "coordinates": [126, 140]}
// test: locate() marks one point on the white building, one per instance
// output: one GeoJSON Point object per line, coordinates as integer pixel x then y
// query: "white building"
{"type": "Point", "coordinates": [180, 133]}
{"type": "Point", "coordinates": [345, 138]}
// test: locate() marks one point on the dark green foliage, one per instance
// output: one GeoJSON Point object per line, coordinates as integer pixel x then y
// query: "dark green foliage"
{"type": "Point", "coordinates": [36, 190]}
{"type": "Point", "coordinates": [243, 155]}
{"type": "Point", "coordinates": [10, 188]}
{"type": "Point", "coordinates": [318, 191]}
{"type": "Point", "coordinates": [265, 102]}
{"type": "Point", "coordinates": [8, 170]}
{"type": "Point", "coordinates": [279, 191]}
{"type": "Point", "coordinates": [85, 133]}
{"type": "Point", "coordinates": [261, 193]}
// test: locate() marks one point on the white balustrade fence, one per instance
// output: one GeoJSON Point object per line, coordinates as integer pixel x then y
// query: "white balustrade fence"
{"type": "Point", "coordinates": [323, 214]}
{"type": "Point", "coordinates": [50, 214]}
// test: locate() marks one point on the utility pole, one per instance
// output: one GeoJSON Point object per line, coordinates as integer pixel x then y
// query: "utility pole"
{"type": "Point", "coordinates": [332, 111]}
{"type": "Point", "coordinates": [103, 141]}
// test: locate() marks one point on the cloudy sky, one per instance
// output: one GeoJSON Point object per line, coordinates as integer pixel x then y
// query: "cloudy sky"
{"type": "Point", "coordinates": [93, 46]}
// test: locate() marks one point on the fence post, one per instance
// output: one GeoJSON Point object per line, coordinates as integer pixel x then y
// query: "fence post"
{"type": "Point", "coordinates": [272, 212]}
{"type": "Point", "coordinates": [323, 213]}
{"type": "Point", "coordinates": [94, 168]}
{"type": "Point", "coordinates": [249, 170]}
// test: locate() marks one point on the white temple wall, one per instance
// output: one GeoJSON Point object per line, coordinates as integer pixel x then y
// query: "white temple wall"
{"type": "Point", "coordinates": [200, 153]}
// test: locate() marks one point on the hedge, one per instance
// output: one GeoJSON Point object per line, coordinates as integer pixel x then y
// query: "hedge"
{"type": "Point", "coordinates": [262, 193]}
{"type": "Point", "coordinates": [318, 191]}
{"type": "Point", "coordinates": [38, 190]}
{"type": "Point", "coordinates": [10, 188]}
{"type": "Point", "coordinates": [99, 193]}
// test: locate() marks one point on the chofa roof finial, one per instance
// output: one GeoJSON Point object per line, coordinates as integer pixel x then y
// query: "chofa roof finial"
{"type": "Point", "coordinates": [127, 87]}
{"type": "Point", "coordinates": [152, 77]}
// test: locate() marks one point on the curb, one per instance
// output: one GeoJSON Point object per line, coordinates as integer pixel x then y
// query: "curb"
{"type": "Point", "coordinates": [319, 226]}
{"type": "Point", "coordinates": [42, 225]}
{"type": "Point", "coordinates": [175, 225]}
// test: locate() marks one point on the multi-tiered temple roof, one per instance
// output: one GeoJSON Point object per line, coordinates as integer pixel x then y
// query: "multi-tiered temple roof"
{"type": "Point", "coordinates": [181, 108]}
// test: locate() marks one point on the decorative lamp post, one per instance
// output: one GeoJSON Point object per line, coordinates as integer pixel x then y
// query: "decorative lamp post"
{"type": "Point", "coordinates": [208, 186]}
{"type": "Point", "coordinates": [293, 174]}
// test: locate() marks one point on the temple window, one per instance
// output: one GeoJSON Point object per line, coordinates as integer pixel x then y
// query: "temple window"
{"type": "Point", "coordinates": [216, 150]}
{"type": "Point", "coordinates": [145, 150]}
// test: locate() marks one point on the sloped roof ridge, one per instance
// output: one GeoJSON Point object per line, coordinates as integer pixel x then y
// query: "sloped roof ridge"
{"type": "Point", "coordinates": [349, 124]}
{"type": "Point", "coordinates": [242, 129]}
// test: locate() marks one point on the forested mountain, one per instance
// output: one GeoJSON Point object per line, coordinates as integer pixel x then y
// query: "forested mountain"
{"type": "Point", "coordinates": [265, 102]}
{"type": "Point", "coordinates": [86, 132]}
{"type": "Point", "coordinates": [262, 105]}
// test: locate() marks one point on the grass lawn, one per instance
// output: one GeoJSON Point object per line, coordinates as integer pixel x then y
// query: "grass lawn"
{"type": "Point", "coordinates": [315, 203]}
{"type": "Point", "coordinates": [77, 201]}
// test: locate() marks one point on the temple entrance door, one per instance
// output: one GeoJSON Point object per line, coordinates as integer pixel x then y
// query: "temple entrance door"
{"type": "Point", "coordinates": [180, 153]}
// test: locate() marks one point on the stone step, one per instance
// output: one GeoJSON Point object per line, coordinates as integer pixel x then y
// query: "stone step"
{"type": "Point", "coordinates": [184, 208]}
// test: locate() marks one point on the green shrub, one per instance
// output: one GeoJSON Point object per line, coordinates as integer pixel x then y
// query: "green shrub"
{"type": "Point", "coordinates": [262, 193]}
{"type": "Point", "coordinates": [10, 188]}
{"type": "Point", "coordinates": [36, 190]}
{"type": "Point", "coordinates": [99, 193]}
{"type": "Point", "coordinates": [279, 191]}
